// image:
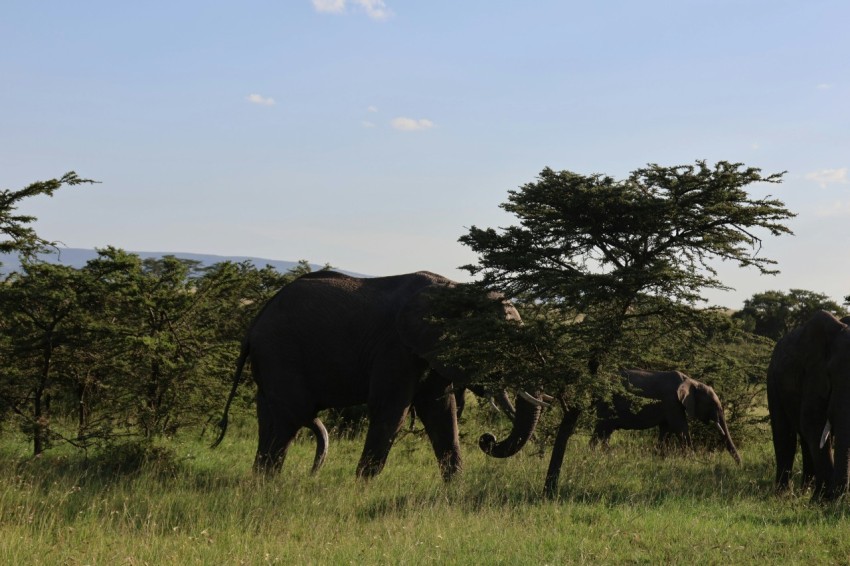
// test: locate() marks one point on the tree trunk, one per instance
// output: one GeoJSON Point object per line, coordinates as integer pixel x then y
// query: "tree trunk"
{"type": "Point", "coordinates": [565, 430]}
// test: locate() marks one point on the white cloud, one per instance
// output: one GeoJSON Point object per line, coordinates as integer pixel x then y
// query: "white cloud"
{"type": "Point", "coordinates": [329, 6]}
{"type": "Point", "coordinates": [367, 124]}
{"type": "Point", "coordinates": [826, 177]}
{"type": "Point", "coordinates": [260, 99]}
{"type": "Point", "coordinates": [372, 109]}
{"type": "Point", "coordinates": [824, 86]}
{"type": "Point", "coordinates": [411, 124]}
{"type": "Point", "coordinates": [375, 9]}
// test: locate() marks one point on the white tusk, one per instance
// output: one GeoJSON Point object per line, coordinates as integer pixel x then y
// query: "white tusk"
{"type": "Point", "coordinates": [533, 400]}
{"type": "Point", "coordinates": [493, 404]}
{"type": "Point", "coordinates": [720, 428]}
{"type": "Point", "coordinates": [546, 398]}
{"type": "Point", "coordinates": [825, 435]}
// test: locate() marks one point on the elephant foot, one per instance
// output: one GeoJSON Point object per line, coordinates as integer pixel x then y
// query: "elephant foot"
{"type": "Point", "coordinates": [266, 466]}
{"type": "Point", "coordinates": [369, 468]}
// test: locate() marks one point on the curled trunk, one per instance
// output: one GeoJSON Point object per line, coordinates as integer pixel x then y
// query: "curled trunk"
{"type": "Point", "coordinates": [525, 422]}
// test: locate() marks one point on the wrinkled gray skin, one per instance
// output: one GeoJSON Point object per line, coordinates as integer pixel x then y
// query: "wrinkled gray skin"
{"type": "Point", "coordinates": [330, 340]}
{"type": "Point", "coordinates": [808, 384]}
{"type": "Point", "coordinates": [678, 397]}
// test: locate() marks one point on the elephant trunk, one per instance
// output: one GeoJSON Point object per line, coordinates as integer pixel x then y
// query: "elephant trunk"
{"type": "Point", "coordinates": [525, 422]}
{"type": "Point", "coordinates": [730, 446]}
{"type": "Point", "coordinates": [841, 454]}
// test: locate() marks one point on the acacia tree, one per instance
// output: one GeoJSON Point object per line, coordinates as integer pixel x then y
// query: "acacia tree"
{"type": "Point", "coordinates": [615, 262]}
{"type": "Point", "coordinates": [41, 312]}
{"type": "Point", "coordinates": [773, 313]}
{"type": "Point", "coordinates": [21, 237]}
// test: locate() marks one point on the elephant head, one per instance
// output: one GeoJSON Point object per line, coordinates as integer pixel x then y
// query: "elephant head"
{"type": "Point", "coordinates": [417, 330]}
{"type": "Point", "coordinates": [701, 402]}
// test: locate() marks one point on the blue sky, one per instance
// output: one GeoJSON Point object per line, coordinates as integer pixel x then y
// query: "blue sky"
{"type": "Point", "coordinates": [371, 134]}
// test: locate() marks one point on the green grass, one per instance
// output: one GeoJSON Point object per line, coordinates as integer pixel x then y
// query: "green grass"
{"type": "Point", "coordinates": [204, 506]}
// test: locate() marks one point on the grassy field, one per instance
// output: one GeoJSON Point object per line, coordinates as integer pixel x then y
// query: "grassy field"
{"type": "Point", "coordinates": [202, 506]}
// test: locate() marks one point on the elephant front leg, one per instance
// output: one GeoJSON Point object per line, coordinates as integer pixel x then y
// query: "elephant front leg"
{"type": "Point", "coordinates": [436, 407]}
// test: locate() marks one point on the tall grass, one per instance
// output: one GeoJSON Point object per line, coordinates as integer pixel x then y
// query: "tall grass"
{"type": "Point", "coordinates": [188, 504]}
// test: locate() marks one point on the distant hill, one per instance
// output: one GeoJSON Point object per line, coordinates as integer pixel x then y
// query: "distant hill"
{"type": "Point", "coordinates": [77, 257]}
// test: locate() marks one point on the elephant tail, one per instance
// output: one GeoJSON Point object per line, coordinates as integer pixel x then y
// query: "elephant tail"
{"type": "Point", "coordinates": [321, 434]}
{"type": "Point", "coordinates": [237, 379]}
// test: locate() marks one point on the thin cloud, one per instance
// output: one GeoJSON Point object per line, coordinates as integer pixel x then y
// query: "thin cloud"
{"type": "Point", "coordinates": [260, 99]}
{"type": "Point", "coordinates": [367, 124]}
{"type": "Point", "coordinates": [824, 86]}
{"type": "Point", "coordinates": [411, 124]}
{"type": "Point", "coordinates": [826, 177]}
{"type": "Point", "coordinates": [329, 6]}
{"type": "Point", "coordinates": [372, 109]}
{"type": "Point", "coordinates": [375, 9]}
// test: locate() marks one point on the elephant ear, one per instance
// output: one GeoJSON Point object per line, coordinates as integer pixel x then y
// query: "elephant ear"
{"type": "Point", "coordinates": [818, 334]}
{"type": "Point", "coordinates": [687, 399]}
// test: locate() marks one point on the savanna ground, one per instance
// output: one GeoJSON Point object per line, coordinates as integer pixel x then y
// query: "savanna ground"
{"type": "Point", "coordinates": [188, 504]}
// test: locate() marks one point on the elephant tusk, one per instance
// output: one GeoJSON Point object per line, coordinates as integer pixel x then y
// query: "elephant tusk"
{"type": "Point", "coordinates": [546, 398]}
{"type": "Point", "coordinates": [533, 400]}
{"type": "Point", "coordinates": [720, 428]}
{"type": "Point", "coordinates": [493, 404]}
{"type": "Point", "coordinates": [823, 437]}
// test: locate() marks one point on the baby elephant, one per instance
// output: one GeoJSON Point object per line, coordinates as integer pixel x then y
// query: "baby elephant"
{"type": "Point", "coordinates": [673, 397]}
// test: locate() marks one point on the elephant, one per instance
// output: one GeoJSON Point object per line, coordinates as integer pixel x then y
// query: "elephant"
{"type": "Point", "coordinates": [675, 398]}
{"type": "Point", "coordinates": [329, 340]}
{"type": "Point", "coordinates": [808, 396]}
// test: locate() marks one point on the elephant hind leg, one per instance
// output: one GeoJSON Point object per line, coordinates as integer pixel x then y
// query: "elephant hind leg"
{"type": "Point", "coordinates": [275, 436]}
{"type": "Point", "coordinates": [785, 448]}
{"type": "Point", "coordinates": [601, 434]}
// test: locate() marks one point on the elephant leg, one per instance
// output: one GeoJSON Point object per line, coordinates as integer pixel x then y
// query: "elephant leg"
{"type": "Point", "coordinates": [785, 447]}
{"type": "Point", "coordinates": [808, 463]}
{"type": "Point", "coordinates": [436, 407]}
{"type": "Point", "coordinates": [665, 438]}
{"type": "Point", "coordinates": [822, 464]}
{"type": "Point", "coordinates": [601, 434]}
{"type": "Point", "coordinates": [275, 436]}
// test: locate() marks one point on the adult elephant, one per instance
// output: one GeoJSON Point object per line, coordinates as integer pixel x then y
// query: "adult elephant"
{"type": "Point", "coordinates": [673, 398]}
{"type": "Point", "coordinates": [329, 340]}
{"type": "Point", "coordinates": [808, 396]}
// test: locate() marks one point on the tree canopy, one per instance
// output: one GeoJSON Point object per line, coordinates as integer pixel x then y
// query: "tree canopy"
{"type": "Point", "coordinates": [773, 314]}
{"type": "Point", "coordinates": [16, 228]}
{"type": "Point", "coordinates": [614, 252]}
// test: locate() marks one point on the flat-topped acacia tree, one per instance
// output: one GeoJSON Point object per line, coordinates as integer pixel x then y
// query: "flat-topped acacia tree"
{"type": "Point", "coordinates": [612, 258]}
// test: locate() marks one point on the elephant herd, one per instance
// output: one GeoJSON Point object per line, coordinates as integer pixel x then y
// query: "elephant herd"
{"type": "Point", "coordinates": [328, 340]}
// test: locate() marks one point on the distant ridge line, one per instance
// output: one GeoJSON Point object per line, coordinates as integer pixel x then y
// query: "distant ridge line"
{"type": "Point", "coordinates": [78, 257]}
